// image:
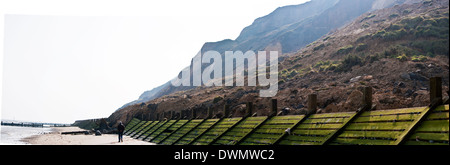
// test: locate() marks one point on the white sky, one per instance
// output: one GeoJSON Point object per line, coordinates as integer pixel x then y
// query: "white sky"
{"type": "Point", "coordinates": [80, 59]}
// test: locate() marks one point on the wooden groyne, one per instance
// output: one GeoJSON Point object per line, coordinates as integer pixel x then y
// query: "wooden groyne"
{"type": "Point", "coordinates": [29, 124]}
{"type": "Point", "coordinates": [427, 125]}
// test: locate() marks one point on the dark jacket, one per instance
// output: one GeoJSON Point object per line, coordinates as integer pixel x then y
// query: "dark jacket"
{"type": "Point", "coordinates": [120, 127]}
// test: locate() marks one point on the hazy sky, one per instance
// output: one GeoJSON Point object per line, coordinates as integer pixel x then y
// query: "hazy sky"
{"type": "Point", "coordinates": [70, 60]}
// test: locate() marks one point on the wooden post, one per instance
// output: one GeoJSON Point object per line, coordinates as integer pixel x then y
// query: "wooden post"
{"type": "Point", "coordinates": [312, 103]}
{"type": "Point", "coordinates": [367, 97]}
{"type": "Point", "coordinates": [210, 113]}
{"type": "Point", "coordinates": [193, 114]}
{"type": "Point", "coordinates": [435, 101]}
{"type": "Point", "coordinates": [273, 107]}
{"type": "Point", "coordinates": [436, 89]}
{"type": "Point", "coordinates": [226, 111]}
{"type": "Point", "coordinates": [178, 115]}
{"type": "Point", "coordinates": [249, 109]}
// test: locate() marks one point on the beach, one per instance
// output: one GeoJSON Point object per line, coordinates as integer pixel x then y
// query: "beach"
{"type": "Point", "coordinates": [56, 138]}
{"type": "Point", "coordinates": [14, 135]}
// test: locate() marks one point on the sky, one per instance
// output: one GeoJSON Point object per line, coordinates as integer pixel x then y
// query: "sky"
{"type": "Point", "coordinates": [67, 60]}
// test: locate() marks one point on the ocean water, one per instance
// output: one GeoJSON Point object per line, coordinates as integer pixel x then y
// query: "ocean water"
{"type": "Point", "coordinates": [14, 134]}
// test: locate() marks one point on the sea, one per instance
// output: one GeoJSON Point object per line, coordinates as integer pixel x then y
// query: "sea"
{"type": "Point", "coordinates": [13, 135]}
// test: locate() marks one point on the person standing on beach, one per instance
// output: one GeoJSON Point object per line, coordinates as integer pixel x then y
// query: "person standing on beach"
{"type": "Point", "coordinates": [120, 128]}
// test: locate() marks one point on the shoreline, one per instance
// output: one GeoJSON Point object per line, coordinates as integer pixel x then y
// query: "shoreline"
{"type": "Point", "coordinates": [56, 138]}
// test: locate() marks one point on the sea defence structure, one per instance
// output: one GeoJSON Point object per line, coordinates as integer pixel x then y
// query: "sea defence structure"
{"type": "Point", "coordinates": [427, 125]}
{"type": "Point", "coordinates": [31, 124]}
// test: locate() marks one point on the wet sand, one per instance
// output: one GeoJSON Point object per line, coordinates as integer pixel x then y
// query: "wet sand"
{"type": "Point", "coordinates": [56, 138]}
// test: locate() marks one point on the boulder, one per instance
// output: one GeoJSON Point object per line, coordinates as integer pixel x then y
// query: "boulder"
{"type": "Point", "coordinates": [299, 106]}
{"type": "Point", "coordinates": [420, 66]}
{"type": "Point", "coordinates": [413, 76]}
{"type": "Point", "coordinates": [416, 76]}
{"type": "Point", "coordinates": [387, 100]}
{"type": "Point", "coordinates": [330, 108]}
{"type": "Point", "coordinates": [319, 111]}
{"type": "Point", "coordinates": [285, 110]}
{"type": "Point", "coordinates": [396, 90]}
{"type": "Point", "coordinates": [409, 92]}
{"type": "Point", "coordinates": [354, 101]}
{"type": "Point", "coordinates": [355, 79]}
{"type": "Point", "coordinates": [368, 77]}
{"type": "Point", "coordinates": [401, 84]}
{"type": "Point", "coordinates": [405, 76]}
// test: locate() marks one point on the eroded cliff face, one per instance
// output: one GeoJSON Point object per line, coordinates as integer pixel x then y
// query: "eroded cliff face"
{"type": "Point", "coordinates": [395, 50]}
{"type": "Point", "coordinates": [286, 30]}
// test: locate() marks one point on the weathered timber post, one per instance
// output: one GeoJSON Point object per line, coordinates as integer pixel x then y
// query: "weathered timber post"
{"type": "Point", "coordinates": [210, 113]}
{"type": "Point", "coordinates": [436, 90]}
{"type": "Point", "coordinates": [446, 99]}
{"type": "Point", "coordinates": [169, 115]}
{"type": "Point", "coordinates": [193, 114]}
{"type": "Point", "coordinates": [178, 115]}
{"type": "Point", "coordinates": [226, 111]}
{"type": "Point", "coordinates": [367, 98]}
{"type": "Point", "coordinates": [312, 103]}
{"type": "Point", "coordinates": [163, 116]}
{"type": "Point", "coordinates": [435, 101]}
{"type": "Point", "coordinates": [273, 107]}
{"type": "Point", "coordinates": [249, 109]}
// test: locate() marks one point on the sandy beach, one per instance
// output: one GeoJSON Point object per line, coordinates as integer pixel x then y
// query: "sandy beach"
{"type": "Point", "coordinates": [56, 138]}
